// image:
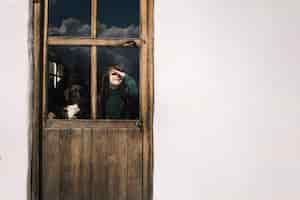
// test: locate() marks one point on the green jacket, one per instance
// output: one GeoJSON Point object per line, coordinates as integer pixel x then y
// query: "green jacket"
{"type": "Point", "coordinates": [122, 103]}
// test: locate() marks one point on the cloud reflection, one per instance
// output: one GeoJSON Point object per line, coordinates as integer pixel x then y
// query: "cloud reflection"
{"type": "Point", "coordinates": [73, 27]}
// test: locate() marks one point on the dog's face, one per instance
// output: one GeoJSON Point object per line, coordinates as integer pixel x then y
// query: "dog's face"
{"type": "Point", "coordinates": [73, 94]}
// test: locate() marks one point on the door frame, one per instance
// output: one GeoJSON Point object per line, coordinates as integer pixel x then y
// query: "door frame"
{"type": "Point", "coordinates": [37, 96]}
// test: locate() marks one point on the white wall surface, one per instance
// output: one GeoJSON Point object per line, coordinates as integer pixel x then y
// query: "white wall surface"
{"type": "Point", "coordinates": [14, 98]}
{"type": "Point", "coordinates": [227, 93]}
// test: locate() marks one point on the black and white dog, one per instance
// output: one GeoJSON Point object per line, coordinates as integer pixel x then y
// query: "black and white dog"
{"type": "Point", "coordinates": [75, 104]}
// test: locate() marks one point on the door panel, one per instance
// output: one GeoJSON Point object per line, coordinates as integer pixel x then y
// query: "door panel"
{"type": "Point", "coordinates": [92, 163]}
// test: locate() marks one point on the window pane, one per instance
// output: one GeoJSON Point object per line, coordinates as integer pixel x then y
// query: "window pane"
{"type": "Point", "coordinates": [118, 18]}
{"type": "Point", "coordinates": [69, 18]}
{"type": "Point", "coordinates": [68, 82]}
{"type": "Point", "coordinates": [118, 83]}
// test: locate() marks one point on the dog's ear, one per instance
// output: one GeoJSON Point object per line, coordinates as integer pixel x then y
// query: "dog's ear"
{"type": "Point", "coordinates": [67, 94]}
{"type": "Point", "coordinates": [81, 90]}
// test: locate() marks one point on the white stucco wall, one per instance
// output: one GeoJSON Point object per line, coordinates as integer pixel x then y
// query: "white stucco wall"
{"type": "Point", "coordinates": [227, 117]}
{"type": "Point", "coordinates": [14, 98]}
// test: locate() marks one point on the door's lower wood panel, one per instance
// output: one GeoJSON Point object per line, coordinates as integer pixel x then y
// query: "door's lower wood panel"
{"type": "Point", "coordinates": [92, 164]}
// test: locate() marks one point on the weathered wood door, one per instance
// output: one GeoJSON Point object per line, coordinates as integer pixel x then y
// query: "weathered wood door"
{"type": "Point", "coordinates": [91, 158]}
{"type": "Point", "coordinates": [92, 163]}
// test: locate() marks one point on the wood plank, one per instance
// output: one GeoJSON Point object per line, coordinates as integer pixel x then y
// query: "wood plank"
{"type": "Point", "coordinates": [93, 82]}
{"type": "Point", "coordinates": [94, 18]}
{"type": "Point", "coordinates": [52, 40]}
{"type": "Point", "coordinates": [65, 167]}
{"type": "Point", "coordinates": [35, 136]}
{"type": "Point", "coordinates": [86, 164]}
{"type": "Point", "coordinates": [122, 161]}
{"type": "Point", "coordinates": [117, 164]}
{"type": "Point", "coordinates": [51, 165]}
{"type": "Point", "coordinates": [99, 173]}
{"type": "Point", "coordinates": [143, 62]}
{"type": "Point", "coordinates": [150, 62]}
{"type": "Point", "coordinates": [144, 96]}
{"type": "Point", "coordinates": [45, 61]}
{"type": "Point", "coordinates": [75, 159]}
{"type": "Point", "coordinates": [143, 19]}
{"type": "Point", "coordinates": [147, 107]}
{"type": "Point", "coordinates": [134, 165]}
{"type": "Point", "coordinates": [78, 123]}
{"type": "Point", "coordinates": [148, 134]}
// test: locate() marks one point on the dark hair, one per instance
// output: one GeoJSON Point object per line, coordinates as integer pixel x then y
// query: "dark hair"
{"type": "Point", "coordinates": [105, 87]}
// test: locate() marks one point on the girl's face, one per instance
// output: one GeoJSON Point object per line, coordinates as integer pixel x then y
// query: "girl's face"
{"type": "Point", "coordinates": [115, 79]}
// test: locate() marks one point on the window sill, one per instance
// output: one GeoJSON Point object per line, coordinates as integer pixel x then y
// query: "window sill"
{"type": "Point", "coordinates": [88, 123]}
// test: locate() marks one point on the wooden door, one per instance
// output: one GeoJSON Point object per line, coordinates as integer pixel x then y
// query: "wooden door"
{"type": "Point", "coordinates": [91, 158]}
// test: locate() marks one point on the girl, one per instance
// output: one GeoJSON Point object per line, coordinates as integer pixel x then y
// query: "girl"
{"type": "Point", "coordinates": [118, 95]}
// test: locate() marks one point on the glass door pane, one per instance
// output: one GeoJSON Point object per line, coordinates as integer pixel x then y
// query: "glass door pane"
{"type": "Point", "coordinates": [68, 82]}
{"type": "Point", "coordinates": [118, 83]}
{"type": "Point", "coordinates": [69, 18]}
{"type": "Point", "coordinates": [118, 18]}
